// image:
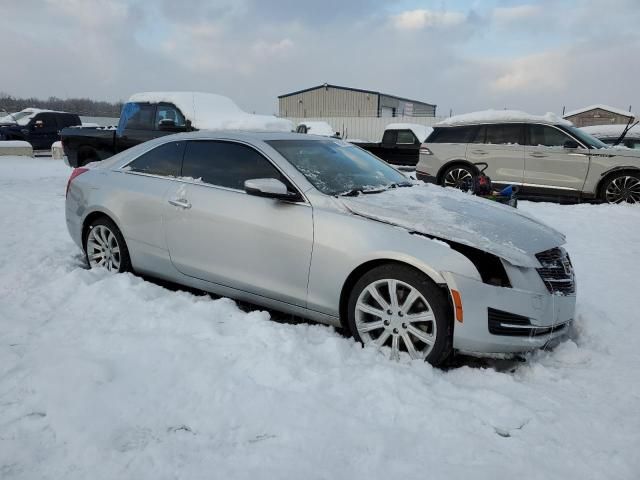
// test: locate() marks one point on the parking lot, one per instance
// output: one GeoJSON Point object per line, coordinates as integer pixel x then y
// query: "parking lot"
{"type": "Point", "coordinates": [103, 375]}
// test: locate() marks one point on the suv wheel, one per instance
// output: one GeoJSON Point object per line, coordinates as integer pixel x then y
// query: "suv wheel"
{"type": "Point", "coordinates": [623, 187]}
{"type": "Point", "coordinates": [398, 307]}
{"type": "Point", "coordinates": [458, 176]}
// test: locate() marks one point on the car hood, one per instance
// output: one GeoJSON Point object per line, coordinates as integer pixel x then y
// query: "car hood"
{"type": "Point", "coordinates": [450, 214]}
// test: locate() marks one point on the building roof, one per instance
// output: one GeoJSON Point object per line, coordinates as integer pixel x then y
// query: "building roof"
{"type": "Point", "coordinates": [325, 85]}
{"type": "Point", "coordinates": [601, 107]}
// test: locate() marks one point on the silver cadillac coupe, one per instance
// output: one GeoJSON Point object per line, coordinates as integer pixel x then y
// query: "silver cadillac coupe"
{"type": "Point", "coordinates": [320, 228]}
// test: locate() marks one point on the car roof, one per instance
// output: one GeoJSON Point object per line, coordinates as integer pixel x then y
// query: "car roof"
{"type": "Point", "coordinates": [250, 136]}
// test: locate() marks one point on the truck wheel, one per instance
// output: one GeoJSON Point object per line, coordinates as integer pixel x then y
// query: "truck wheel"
{"type": "Point", "coordinates": [86, 155]}
{"type": "Point", "coordinates": [621, 187]}
{"type": "Point", "coordinates": [398, 307]}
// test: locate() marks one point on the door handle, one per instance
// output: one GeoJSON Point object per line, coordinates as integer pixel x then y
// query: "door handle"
{"type": "Point", "coordinates": [180, 202]}
{"type": "Point", "coordinates": [538, 155]}
{"type": "Point", "coordinates": [478, 152]}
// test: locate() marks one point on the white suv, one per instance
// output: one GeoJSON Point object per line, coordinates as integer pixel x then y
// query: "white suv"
{"type": "Point", "coordinates": [546, 156]}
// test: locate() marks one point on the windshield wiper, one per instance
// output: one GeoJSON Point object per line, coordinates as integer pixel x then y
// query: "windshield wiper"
{"type": "Point", "coordinates": [354, 192]}
{"type": "Point", "coordinates": [400, 185]}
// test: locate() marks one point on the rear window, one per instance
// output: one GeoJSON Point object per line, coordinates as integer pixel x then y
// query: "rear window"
{"type": "Point", "coordinates": [463, 134]}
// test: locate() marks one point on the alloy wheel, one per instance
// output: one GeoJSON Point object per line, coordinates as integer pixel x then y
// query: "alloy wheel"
{"type": "Point", "coordinates": [103, 249]}
{"type": "Point", "coordinates": [457, 177]}
{"type": "Point", "coordinates": [623, 189]}
{"type": "Point", "coordinates": [392, 313]}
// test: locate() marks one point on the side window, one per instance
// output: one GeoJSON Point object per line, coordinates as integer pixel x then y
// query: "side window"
{"type": "Point", "coordinates": [226, 164]}
{"type": "Point", "coordinates": [406, 137]}
{"type": "Point", "coordinates": [481, 134]}
{"type": "Point", "coordinates": [455, 134]}
{"type": "Point", "coordinates": [505, 134]}
{"type": "Point", "coordinates": [143, 118]}
{"type": "Point", "coordinates": [165, 160]}
{"type": "Point", "coordinates": [389, 137]}
{"type": "Point", "coordinates": [45, 123]}
{"type": "Point", "coordinates": [545, 136]}
{"type": "Point", "coordinates": [169, 113]}
{"type": "Point", "coordinates": [66, 120]}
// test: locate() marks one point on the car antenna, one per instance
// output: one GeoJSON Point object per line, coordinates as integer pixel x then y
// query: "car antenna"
{"type": "Point", "coordinates": [624, 132]}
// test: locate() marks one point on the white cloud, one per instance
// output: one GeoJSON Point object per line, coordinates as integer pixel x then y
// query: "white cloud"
{"type": "Point", "coordinates": [421, 18]}
{"type": "Point", "coordinates": [515, 14]}
{"type": "Point", "coordinates": [544, 71]}
{"type": "Point", "coordinates": [280, 48]}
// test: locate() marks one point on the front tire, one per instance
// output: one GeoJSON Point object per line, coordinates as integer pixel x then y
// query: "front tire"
{"type": "Point", "coordinates": [104, 247]}
{"type": "Point", "coordinates": [398, 307]}
{"type": "Point", "coordinates": [622, 187]}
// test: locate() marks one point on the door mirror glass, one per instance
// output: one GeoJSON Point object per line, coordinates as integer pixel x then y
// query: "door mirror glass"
{"type": "Point", "coordinates": [268, 187]}
{"type": "Point", "coordinates": [571, 144]}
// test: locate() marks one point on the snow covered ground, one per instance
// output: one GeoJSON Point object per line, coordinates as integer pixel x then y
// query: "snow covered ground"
{"type": "Point", "coordinates": [116, 377]}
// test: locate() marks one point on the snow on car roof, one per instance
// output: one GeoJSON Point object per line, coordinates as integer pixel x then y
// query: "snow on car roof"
{"type": "Point", "coordinates": [420, 131]}
{"type": "Point", "coordinates": [319, 128]}
{"type": "Point", "coordinates": [208, 111]}
{"type": "Point", "coordinates": [605, 131]}
{"type": "Point", "coordinates": [32, 112]}
{"type": "Point", "coordinates": [601, 106]}
{"type": "Point", "coordinates": [496, 116]}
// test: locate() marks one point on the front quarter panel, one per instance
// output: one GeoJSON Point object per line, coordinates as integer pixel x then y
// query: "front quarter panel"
{"type": "Point", "coordinates": [344, 241]}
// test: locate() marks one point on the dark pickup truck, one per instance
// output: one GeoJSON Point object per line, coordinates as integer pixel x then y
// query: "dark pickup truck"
{"type": "Point", "coordinates": [139, 122]}
{"type": "Point", "coordinates": [154, 114]}
{"type": "Point", "coordinates": [400, 143]}
{"type": "Point", "coordinates": [38, 127]}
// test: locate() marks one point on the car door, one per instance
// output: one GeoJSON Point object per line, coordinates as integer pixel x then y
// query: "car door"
{"type": "Point", "coordinates": [138, 128]}
{"type": "Point", "coordinates": [407, 147]}
{"type": "Point", "coordinates": [43, 131]}
{"type": "Point", "coordinates": [501, 147]}
{"type": "Point", "coordinates": [141, 198]}
{"type": "Point", "coordinates": [551, 166]}
{"type": "Point", "coordinates": [218, 233]}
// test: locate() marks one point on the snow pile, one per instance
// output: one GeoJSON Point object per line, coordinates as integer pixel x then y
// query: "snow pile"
{"type": "Point", "coordinates": [612, 131]}
{"type": "Point", "coordinates": [600, 106]}
{"type": "Point", "coordinates": [319, 128]}
{"type": "Point", "coordinates": [57, 150]}
{"type": "Point", "coordinates": [208, 111]}
{"type": "Point", "coordinates": [15, 147]}
{"type": "Point", "coordinates": [110, 377]}
{"type": "Point", "coordinates": [495, 116]}
{"type": "Point", "coordinates": [451, 214]}
{"type": "Point", "coordinates": [420, 131]}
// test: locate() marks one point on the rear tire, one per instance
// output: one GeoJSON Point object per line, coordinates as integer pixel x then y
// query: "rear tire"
{"type": "Point", "coordinates": [622, 187]}
{"type": "Point", "coordinates": [458, 176]}
{"type": "Point", "coordinates": [104, 247]}
{"type": "Point", "coordinates": [416, 320]}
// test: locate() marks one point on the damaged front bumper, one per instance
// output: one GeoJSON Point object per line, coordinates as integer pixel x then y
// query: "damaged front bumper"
{"type": "Point", "coordinates": [507, 320]}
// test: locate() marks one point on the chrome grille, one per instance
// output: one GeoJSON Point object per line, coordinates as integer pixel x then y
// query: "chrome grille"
{"type": "Point", "coordinates": [557, 271]}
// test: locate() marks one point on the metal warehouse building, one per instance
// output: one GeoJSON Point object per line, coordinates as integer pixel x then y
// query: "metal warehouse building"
{"type": "Point", "coordinates": [334, 101]}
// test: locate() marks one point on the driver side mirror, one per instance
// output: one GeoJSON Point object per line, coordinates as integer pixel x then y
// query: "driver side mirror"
{"type": "Point", "coordinates": [169, 125]}
{"type": "Point", "coordinates": [571, 144]}
{"type": "Point", "coordinates": [269, 188]}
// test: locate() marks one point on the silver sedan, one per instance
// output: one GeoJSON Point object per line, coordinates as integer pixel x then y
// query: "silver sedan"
{"type": "Point", "coordinates": [320, 228]}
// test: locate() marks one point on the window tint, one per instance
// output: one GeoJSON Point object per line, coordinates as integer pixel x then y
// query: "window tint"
{"type": "Point", "coordinates": [389, 137]}
{"type": "Point", "coordinates": [542, 135]}
{"type": "Point", "coordinates": [505, 134]}
{"type": "Point", "coordinates": [454, 134]}
{"type": "Point", "coordinates": [143, 118]}
{"type": "Point", "coordinates": [45, 123]}
{"type": "Point", "coordinates": [67, 120]}
{"type": "Point", "coordinates": [406, 136]}
{"type": "Point", "coordinates": [169, 112]}
{"type": "Point", "coordinates": [226, 164]}
{"type": "Point", "coordinates": [164, 160]}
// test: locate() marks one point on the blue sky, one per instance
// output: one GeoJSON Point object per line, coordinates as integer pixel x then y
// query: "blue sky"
{"type": "Point", "coordinates": [463, 55]}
